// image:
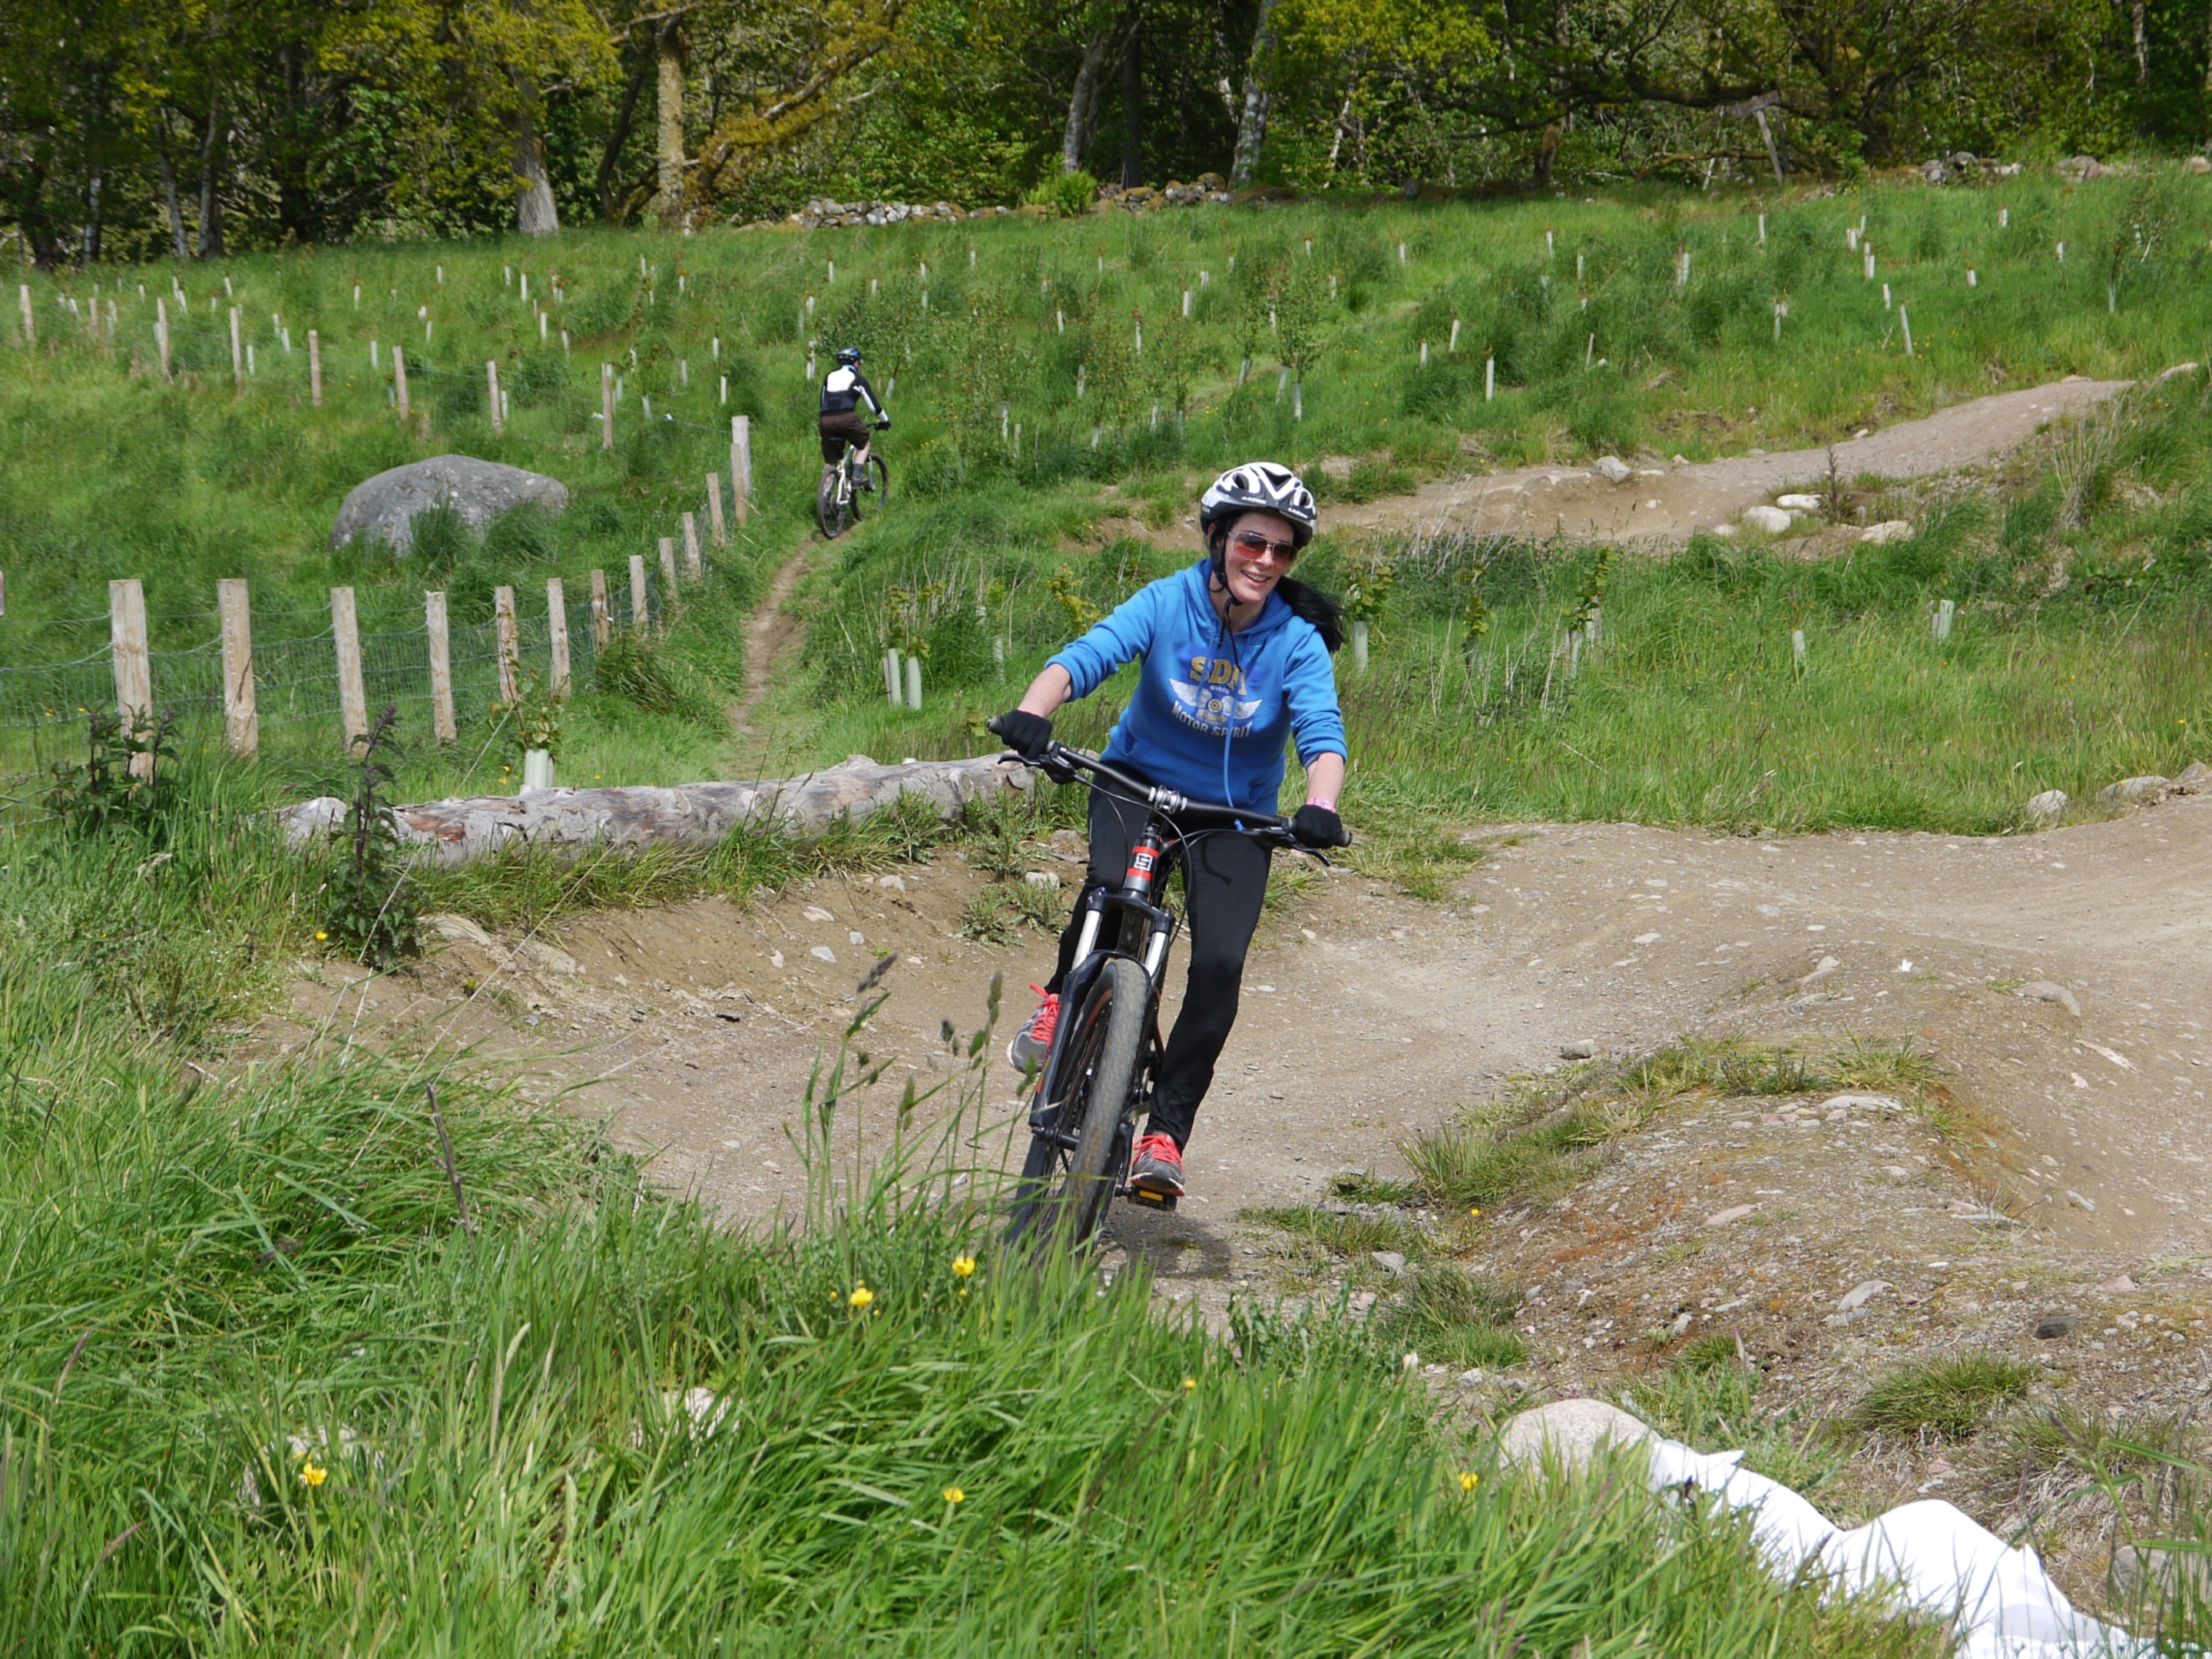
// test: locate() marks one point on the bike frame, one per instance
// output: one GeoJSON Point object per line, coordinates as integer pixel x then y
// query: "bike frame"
{"type": "Point", "coordinates": [1142, 932]}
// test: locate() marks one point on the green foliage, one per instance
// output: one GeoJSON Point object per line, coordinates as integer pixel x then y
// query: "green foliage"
{"type": "Point", "coordinates": [1066, 193]}
{"type": "Point", "coordinates": [1946, 1398]}
{"type": "Point", "coordinates": [118, 787]}
{"type": "Point", "coordinates": [1708, 1399]}
{"type": "Point", "coordinates": [370, 907]}
{"type": "Point", "coordinates": [531, 721]}
{"type": "Point", "coordinates": [633, 669]}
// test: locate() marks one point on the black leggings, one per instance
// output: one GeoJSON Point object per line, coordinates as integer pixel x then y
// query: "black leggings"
{"type": "Point", "coordinates": [1225, 877]}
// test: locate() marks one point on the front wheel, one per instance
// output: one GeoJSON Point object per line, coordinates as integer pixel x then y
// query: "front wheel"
{"type": "Point", "coordinates": [830, 512]}
{"type": "Point", "coordinates": [1064, 1189]}
{"type": "Point", "coordinates": [879, 480]}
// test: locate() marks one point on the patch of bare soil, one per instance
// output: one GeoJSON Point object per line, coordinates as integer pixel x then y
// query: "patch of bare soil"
{"type": "Point", "coordinates": [2073, 1179]}
{"type": "Point", "coordinates": [1669, 502]}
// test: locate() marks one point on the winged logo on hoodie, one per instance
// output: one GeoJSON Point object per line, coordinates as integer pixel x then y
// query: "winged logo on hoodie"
{"type": "Point", "coordinates": [1215, 712]}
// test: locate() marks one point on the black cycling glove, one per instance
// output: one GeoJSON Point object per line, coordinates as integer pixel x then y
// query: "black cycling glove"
{"type": "Point", "coordinates": [1316, 826]}
{"type": "Point", "coordinates": [1028, 735]}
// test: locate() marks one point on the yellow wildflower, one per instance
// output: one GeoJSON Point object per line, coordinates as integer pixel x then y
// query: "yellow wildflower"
{"type": "Point", "coordinates": [321, 933]}
{"type": "Point", "coordinates": [1188, 1383]}
{"type": "Point", "coordinates": [1468, 1477]}
{"type": "Point", "coordinates": [963, 1264]}
{"type": "Point", "coordinates": [313, 1474]}
{"type": "Point", "coordinates": [861, 1295]}
{"type": "Point", "coordinates": [954, 1495]}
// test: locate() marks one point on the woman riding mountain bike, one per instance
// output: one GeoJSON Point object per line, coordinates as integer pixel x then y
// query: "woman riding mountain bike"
{"type": "Point", "coordinates": [1236, 664]}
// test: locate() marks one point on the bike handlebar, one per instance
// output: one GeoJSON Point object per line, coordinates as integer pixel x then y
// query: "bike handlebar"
{"type": "Point", "coordinates": [1169, 803]}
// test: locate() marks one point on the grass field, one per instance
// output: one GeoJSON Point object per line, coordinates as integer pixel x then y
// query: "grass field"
{"type": "Point", "coordinates": [264, 1386]}
{"type": "Point", "coordinates": [978, 330]}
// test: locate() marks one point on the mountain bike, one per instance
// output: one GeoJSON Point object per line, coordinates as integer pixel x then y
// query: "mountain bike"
{"type": "Point", "coordinates": [844, 481]}
{"type": "Point", "coordinates": [1097, 1077]}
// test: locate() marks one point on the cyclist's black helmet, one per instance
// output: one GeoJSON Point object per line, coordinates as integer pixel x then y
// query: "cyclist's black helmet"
{"type": "Point", "coordinates": [849, 356]}
{"type": "Point", "coordinates": [1260, 486]}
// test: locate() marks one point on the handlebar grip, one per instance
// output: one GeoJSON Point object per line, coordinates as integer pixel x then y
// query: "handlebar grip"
{"type": "Point", "coordinates": [993, 727]}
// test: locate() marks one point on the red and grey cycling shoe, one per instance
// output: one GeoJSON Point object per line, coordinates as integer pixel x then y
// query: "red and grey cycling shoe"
{"type": "Point", "coordinates": [1156, 1166]}
{"type": "Point", "coordinates": [1034, 1041]}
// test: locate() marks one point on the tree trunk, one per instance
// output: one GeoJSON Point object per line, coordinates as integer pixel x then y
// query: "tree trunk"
{"type": "Point", "coordinates": [1132, 107]}
{"type": "Point", "coordinates": [91, 220]}
{"type": "Point", "coordinates": [2142, 43]}
{"type": "Point", "coordinates": [1547, 151]}
{"type": "Point", "coordinates": [169, 193]}
{"type": "Point", "coordinates": [668, 146]}
{"type": "Point", "coordinates": [535, 214]}
{"type": "Point", "coordinates": [1252, 129]}
{"type": "Point", "coordinates": [210, 197]}
{"type": "Point", "coordinates": [611, 156]}
{"type": "Point", "coordinates": [698, 814]}
{"type": "Point", "coordinates": [1083, 103]}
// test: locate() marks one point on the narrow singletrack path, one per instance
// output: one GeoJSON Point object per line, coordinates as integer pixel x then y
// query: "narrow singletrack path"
{"type": "Point", "coordinates": [772, 633]}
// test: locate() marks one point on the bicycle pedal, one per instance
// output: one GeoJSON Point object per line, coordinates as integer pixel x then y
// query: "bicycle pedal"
{"type": "Point", "coordinates": [1150, 1200]}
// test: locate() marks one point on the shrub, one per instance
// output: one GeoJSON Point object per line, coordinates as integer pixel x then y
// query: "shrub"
{"type": "Point", "coordinates": [1066, 193]}
{"type": "Point", "coordinates": [370, 907]}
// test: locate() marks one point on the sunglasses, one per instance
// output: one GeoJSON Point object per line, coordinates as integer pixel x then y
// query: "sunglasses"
{"type": "Point", "coordinates": [1253, 545]}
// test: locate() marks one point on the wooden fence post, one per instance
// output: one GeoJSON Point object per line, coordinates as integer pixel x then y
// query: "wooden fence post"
{"type": "Point", "coordinates": [353, 692]}
{"type": "Point", "coordinates": [491, 378]}
{"type": "Point", "coordinates": [715, 508]}
{"type": "Point", "coordinates": [606, 406]}
{"type": "Point", "coordinates": [315, 366]}
{"type": "Point", "coordinates": [30, 323]}
{"type": "Point", "coordinates": [442, 723]}
{"type": "Point", "coordinates": [556, 632]}
{"type": "Point", "coordinates": [691, 565]}
{"type": "Point", "coordinates": [510, 640]}
{"type": "Point", "coordinates": [241, 722]}
{"type": "Point", "coordinates": [162, 332]}
{"type": "Point", "coordinates": [637, 613]}
{"type": "Point", "coordinates": [667, 581]}
{"type": "Point", "coordinates": [134, 665]}
{"type": "Point", "coordinates": [602, 624]}
{"type": "Point", "coordinates": [741, 465]}
{"type": "Point", "coordinates": [399, 379]}
{"type": "Point", "coordinates": [237, 354]}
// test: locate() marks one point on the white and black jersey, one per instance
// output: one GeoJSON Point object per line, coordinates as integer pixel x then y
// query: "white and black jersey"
{"type": "Point", "coordinates": [844, 391]}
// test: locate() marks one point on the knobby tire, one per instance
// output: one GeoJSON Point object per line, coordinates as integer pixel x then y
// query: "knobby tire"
{"type": "Point", "coordinates": [1108, 1046]}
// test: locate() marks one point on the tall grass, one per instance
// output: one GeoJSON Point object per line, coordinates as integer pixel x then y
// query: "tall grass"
{"type": "Point", "coordinates": [291, 1362]}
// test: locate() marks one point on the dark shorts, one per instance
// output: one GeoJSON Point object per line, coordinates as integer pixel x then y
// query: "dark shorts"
{"type": "Point", "coordinates": [837, 430]}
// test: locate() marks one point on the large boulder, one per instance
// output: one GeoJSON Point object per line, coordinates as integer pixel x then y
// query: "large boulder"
{"type": "Point", "coordinates": [383, 509]}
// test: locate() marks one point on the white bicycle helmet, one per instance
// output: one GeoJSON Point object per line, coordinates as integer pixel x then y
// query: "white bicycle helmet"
{"type": "Point", "coordinates": [1260, 486]}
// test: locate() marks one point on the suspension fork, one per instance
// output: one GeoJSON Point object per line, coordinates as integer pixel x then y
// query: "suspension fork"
{"type": "Point", "coordinates": [1150, 859]}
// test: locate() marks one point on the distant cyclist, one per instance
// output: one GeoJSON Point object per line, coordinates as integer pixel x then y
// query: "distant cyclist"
{"type": "Point", "coordinates": [1236, 656]}
{"type": "Point", "coordinates": [845, 393]}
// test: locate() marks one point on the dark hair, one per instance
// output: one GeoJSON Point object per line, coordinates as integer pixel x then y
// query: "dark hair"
{"type": "Point", "coordinates": [1306, 601]}
{"type": "Point", "coordinates": [1315, 606]}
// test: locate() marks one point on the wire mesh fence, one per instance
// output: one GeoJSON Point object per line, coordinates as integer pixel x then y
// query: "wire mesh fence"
{"type": "Point", "coordinates": [45, 709]}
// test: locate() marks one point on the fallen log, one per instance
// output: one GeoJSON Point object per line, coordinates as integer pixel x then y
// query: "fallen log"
{"type": "Point", "coordinates": [466, 828]}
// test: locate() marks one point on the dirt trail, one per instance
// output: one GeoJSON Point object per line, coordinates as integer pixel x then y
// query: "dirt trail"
{"type": "Point", "coordinates": [771, 632]}
{"type": "Point", "coordinates": [1670, 503]}
{"type": "Point", "coordinates": [1367, 1015]}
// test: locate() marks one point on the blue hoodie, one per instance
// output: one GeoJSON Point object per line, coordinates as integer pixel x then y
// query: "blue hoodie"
{"type": "Point", "coordinates": [1213, 708]}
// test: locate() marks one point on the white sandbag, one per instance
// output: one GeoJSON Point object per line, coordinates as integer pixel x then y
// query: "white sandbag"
{"type": "Point", "coordinates": [1932, 1555]}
